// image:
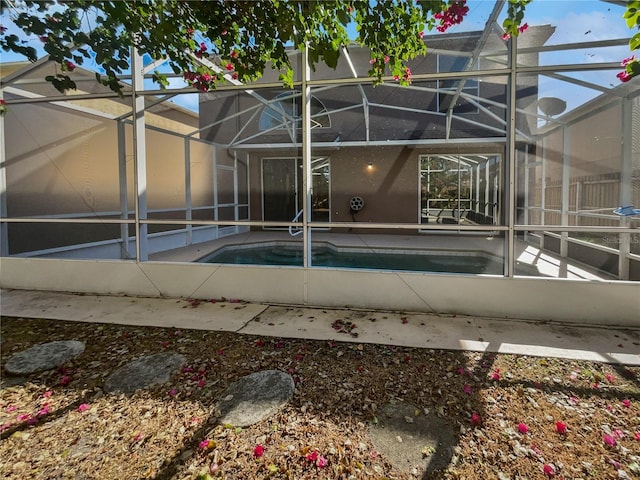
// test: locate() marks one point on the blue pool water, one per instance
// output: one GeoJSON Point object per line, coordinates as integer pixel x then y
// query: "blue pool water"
{"type": "Point", "coordinates": [323, 256]}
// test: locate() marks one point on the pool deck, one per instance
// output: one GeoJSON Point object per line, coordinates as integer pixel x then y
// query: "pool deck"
{"type": "Point", "coordinates": [402, 329]}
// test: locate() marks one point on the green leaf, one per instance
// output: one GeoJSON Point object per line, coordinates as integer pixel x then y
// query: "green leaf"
{"type": "Point", "coordinates": [331, 58]}
{"type": "Point", "coordinates": [634, 43]}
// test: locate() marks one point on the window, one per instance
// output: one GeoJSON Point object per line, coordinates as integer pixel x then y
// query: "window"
{"type": "Point", "coordinates": [286, 110]}
{"type": "Point", "coordinates": [471, 86]}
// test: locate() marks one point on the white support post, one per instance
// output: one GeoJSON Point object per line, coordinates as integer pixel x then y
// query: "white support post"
{"type": "Point", "coordinates": [215, 188]}
{"type": "Point", "coordinates": [187, 189]}
{"type": "Point", "coordinates": [477, 205]}
{"type": "Point", "coordinates": [236, 196]}
{"type": "Point", "coordinates": [525, 188]}
{"type": "Point", "coordinates": [543, 190]}
{"type": "Point", "coordinates": [307, 184]}
{"type": "Point", "coordinates": [487, 188]}
{"type": "Point", "coordinates": [4, 230]}
{"type": "Point", "coordinates": [626, 193]}
{"type": "Point", "coordinates": [564, 202]}
{"type": "Point", "coordinates": [139, 156]}
{"type": "Point", "coordinates": [124, 196]}
{"type": "Point", "coordinates": [510, 164]}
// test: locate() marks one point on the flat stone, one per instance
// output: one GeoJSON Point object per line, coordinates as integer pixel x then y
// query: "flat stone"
{"type": "Point", "coordinates": [425, 443]}
{"type": "Point", "coordinates": [45, 356]}
{"type": "Point", "coordinates": [255, 397]}
{"type": "Point", "coordinates": [144, 372]}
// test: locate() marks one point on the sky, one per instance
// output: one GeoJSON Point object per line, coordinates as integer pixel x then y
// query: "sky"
{"type": "Point", "coordinates": [575, 21]}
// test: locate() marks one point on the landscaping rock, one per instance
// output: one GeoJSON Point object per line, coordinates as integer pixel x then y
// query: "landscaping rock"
{"type": "Point", "coordinates": [144, 372]}
{"type": "Point", "coordinates": [45, 356]}
{"type": "Point", "coordinates": [413, 442]}
{"type": "Point", "coordinates": [255, 397]}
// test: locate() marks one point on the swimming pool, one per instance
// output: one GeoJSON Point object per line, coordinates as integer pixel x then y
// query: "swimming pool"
{"type": "Point", "coordinates": [325, 255]}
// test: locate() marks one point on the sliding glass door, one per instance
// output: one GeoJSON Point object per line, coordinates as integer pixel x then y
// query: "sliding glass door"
{"type": "Point", "coordinates": [283, 193]}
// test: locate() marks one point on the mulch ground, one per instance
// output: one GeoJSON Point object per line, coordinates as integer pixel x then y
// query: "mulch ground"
{"type": "Point", "coordinates": [513, 417]}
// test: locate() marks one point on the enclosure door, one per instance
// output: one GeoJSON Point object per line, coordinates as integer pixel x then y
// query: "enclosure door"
{"type": "Point", "coordinates": [282, 189]}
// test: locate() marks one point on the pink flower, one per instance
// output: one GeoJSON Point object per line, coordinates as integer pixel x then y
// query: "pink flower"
{"type": "Point", "coordinates": [610, 378]}
{"type": "Point", "coordinates": [138, 437]}
{"type": "Point", "coordinates": [421, 34]}
{"type": "Point", "coordinates": [548, 470]}
{"type": "Point", "coordinates": [609, 440]}
{"type": "Point", "coordinates": [22, 417]}
{"type": "Point", "coordinates": [11, 408]}
{"type": "Point", "coordinates": [522, 28]}
{"type": "Point", "coordinates": [82, 407]}
{"type": "Point", "coordinates": [47, 394]}
{"type": "Point", "coordinates": [496, 375]}
{"type": "Point", "coordinates": [312, 457]}
{"type": "Point", "coordinates": [321, 462]}
{"type": "Point", "coordinates": [624, 76]}
{"type": "Point", "coordinates": [637, 436]}
{"type": "Point", "coordinates": [205, 444]}
{"type": "Point", "coordinates": [5, 426]}
{"type": "Point", "coordinates": [386, 59]}
{"type": "Point", "coordinates": [626, 402]}
{"type": "Point", "coordinates": [229, 67]}
{"type": "Point", "coordinates": [172, 392]}
{"type": "Point", "coordinates": [201, 383]}
{"type": "Point", "coordinates": [43, 411]}
{"type": "Point", "coordinates": [467, 389]}
{"type": "Point", "coordinates": [453, 15]}
{"type": "Point", "coordinates": [627, 61]}
{"type": "Point", "coordinates": [258, 451]}
{"type": "Point", "coordinates": [506, 36]}
{"type": "Point", "coordinates": [561, 428]}
{"type": "Point", "coordinates": [234, 54]}
{"type": "Point", "coordinates": [595, 386]}
{"type": "Point", "coordinates": [234, 75]}
{"type": "Point", "coordinates": [70, 65]}
{"type": "Point", "coordinates": [475, 418]}
{"type": "Point", "coordinates": [372, 61]}
{"type": "Point", "coordinates": [522, 428]}
{"type": "Point", "coordinates": [65, 380]}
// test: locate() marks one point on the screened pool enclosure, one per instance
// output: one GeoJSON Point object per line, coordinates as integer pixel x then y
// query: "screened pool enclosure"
{"type": "Point", "coordinates": [504, 181]}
